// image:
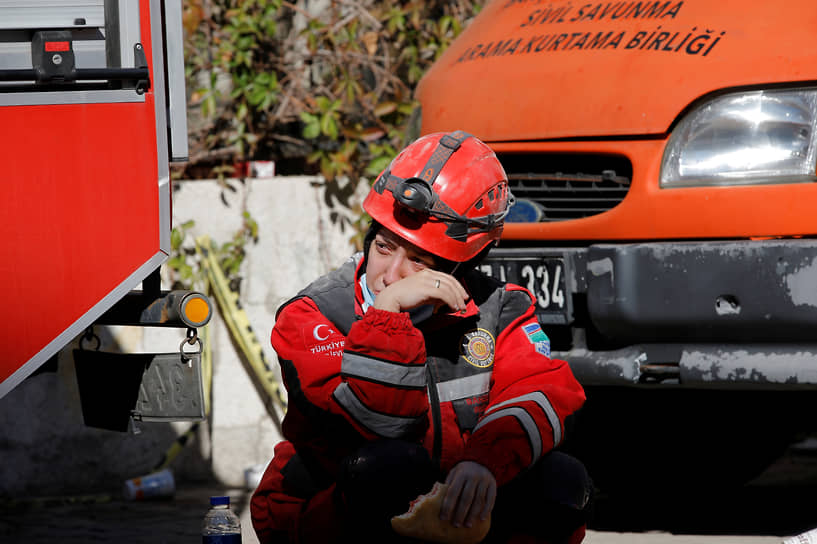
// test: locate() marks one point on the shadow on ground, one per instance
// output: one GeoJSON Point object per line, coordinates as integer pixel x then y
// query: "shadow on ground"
{"type": "Point", "coordinates": [782, 501]}
{"type": "Point", "coordinates": [106, 518]}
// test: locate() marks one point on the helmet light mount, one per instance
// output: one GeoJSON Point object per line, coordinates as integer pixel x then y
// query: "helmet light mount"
{"type": "Point", "coordinates": [415, 193]}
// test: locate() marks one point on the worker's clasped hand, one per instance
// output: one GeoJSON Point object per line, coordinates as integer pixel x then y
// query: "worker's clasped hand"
{"type": "Point", "coordinates": [471, 494]}
{"type": "Point", "coordinates": [425, 287]}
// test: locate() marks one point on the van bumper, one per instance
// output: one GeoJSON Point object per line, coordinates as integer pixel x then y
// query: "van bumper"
{"type": "Point", "coordinates": [732, 313]}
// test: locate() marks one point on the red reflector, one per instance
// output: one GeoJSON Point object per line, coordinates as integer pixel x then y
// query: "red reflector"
{"type": "Point", "coordinates": [57, 46]}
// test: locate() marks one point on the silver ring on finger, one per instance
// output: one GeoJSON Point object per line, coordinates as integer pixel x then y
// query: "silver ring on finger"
{"type": "Point", "coordinates": [437, 284]}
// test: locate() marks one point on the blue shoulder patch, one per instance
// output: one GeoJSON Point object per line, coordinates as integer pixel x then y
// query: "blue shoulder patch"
{"type": "Point", "coordinates": [538, 338]}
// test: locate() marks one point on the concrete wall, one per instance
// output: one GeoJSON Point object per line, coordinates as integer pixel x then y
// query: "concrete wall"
{"type": "Point", "coordinates": [46, 448]}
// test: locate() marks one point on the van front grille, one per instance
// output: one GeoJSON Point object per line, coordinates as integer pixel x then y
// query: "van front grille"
{"type": "Point", "coordinates": [568, 187]}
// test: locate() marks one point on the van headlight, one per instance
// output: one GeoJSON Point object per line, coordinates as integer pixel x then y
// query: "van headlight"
{"type": "Point", "coordinates": [758, 137]}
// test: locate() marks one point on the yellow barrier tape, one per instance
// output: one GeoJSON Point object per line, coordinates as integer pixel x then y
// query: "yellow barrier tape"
{"type": "Point", "coordinates": [239, 325]}
{"type": "Point", "coordinates": [176, 448]}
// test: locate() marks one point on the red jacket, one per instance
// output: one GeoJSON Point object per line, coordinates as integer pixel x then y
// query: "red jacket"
{"type": "Point", "coordinates": [373, 382]}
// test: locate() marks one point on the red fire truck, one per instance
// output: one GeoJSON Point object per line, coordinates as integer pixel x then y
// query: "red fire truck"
{"type": "Point", "coordinates": [92, 110]}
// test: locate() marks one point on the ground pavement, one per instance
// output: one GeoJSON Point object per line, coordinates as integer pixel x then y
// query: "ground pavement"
{"type": "Point", "coordinates": [780, 504]}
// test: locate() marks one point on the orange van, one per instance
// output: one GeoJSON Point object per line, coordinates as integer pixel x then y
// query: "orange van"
{"type": "Point", "coordinates": [662, 155]}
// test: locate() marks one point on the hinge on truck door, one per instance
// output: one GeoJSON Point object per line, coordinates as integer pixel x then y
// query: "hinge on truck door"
{"type": "Point", "coordinates": [140, 61]}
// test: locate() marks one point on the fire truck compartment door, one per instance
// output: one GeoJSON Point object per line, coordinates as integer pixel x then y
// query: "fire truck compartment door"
{"type": "Point", "coordinates": [86, 204]}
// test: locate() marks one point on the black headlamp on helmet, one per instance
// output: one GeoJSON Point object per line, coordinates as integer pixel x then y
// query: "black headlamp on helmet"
{"type": "Point", "coordinates": [417, 195]}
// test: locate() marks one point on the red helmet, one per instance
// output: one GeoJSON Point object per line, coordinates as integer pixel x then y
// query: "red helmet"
{"type": "Point", "coordinates": [445, 193]}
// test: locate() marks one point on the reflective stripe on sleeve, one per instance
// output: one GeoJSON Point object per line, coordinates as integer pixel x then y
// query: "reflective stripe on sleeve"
{"type": "Point", "coordinates": [541, 399]}
{"type": "Point", "coordinates": [380, 424]}
{"type": "Point", "coordinates": [386, 372]}
{"type": "Point", "coordinates": [463, 388]}
{"type": "Point", "coordinates": [527, 423]}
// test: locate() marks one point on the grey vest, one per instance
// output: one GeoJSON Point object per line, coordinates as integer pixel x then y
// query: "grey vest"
{"type": "Point", "coordinates": [460, 352]}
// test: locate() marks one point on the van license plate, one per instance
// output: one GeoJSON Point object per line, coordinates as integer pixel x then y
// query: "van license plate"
{"type": "Point", "coordinates": [544, 277]}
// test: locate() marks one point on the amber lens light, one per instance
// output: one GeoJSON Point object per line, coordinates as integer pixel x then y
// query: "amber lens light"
{"type": "Point", "coordinates": [197, 310]}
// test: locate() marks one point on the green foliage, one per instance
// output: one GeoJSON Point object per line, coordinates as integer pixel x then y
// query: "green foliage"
{"type": "Point", "coordinates": [183, 266]}
{"type": "Point", "coordinates": [231, 254]}
{"type": "Point", "coordinates": [181, 270]}
{"type": "Point", "coordinates": [327, 92]}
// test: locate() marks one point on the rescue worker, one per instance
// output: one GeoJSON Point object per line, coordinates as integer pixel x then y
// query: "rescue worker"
{"type": "Point", "coordinates": [407, 365]}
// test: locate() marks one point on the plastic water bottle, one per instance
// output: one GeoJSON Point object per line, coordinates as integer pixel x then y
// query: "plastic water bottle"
{"type": "Point", "coordinates": [221, 525]}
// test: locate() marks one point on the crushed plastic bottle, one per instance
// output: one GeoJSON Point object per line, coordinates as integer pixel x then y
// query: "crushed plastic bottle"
{"type": "Point", "coordinates": [221, 525]}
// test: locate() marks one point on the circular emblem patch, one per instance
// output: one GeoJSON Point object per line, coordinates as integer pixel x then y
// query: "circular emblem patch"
{"type": "Point", "coordinates": [477, 348]}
